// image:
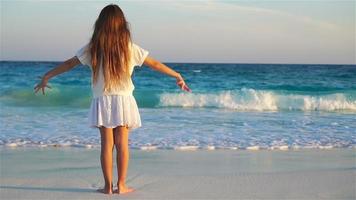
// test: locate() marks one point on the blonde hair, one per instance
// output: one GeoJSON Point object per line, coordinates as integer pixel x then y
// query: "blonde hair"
{"type": "Point", "coordinates": [109, 46]}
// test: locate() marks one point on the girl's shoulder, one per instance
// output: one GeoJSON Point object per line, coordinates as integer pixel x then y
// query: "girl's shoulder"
{"type": "Point", "coordinates": [138, 54]}
{"type": "Point", "coordinates": [83, 55]}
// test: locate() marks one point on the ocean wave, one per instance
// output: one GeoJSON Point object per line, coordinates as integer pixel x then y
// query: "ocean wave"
{"type": "Point", "coordinates": [244, 99]}
{"type": "Point", "coordinates": [54, 97]}
{"type": "Point", "coordinates": [258, 100]}
{"type": "Point", "coordinates": [267, 146]}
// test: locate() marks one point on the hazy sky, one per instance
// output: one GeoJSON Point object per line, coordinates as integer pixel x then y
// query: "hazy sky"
{"type": "Point", "coordinates": [300, 31]}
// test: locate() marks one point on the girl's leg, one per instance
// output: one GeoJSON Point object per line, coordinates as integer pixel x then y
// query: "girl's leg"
{"type": "Point", "coordinates": [121, 140]}
{"type": "Point", "coordinates": [107, 146]}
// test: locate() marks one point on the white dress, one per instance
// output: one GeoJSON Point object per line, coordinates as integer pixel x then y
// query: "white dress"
{"type": "Point", "coordinates": [117, 107]}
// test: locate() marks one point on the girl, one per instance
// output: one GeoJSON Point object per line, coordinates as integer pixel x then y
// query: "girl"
{"type": "Point", "coordinates": [111, 56]}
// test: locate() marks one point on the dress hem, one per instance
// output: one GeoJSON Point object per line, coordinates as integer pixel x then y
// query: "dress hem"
{"type": "Point", "coordinates": [114, 110]}
{"type": "Point", "coordinates": [113, 126]}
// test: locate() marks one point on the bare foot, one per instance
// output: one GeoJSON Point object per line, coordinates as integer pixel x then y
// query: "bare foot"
{"type": "Point", "coordinates": [123, 190]}
{"type": "Point", "coordinates": [105, 190]}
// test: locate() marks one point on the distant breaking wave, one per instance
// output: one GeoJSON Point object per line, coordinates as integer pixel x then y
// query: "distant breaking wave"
{"type": "Point", "coordinates": [256, 100]}
{"type": "Point", "coordinates": [238, 100]}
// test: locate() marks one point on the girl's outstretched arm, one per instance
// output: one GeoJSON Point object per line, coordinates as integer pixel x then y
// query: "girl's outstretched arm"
{"type": "Point", "coordinates": [65, 66]}
{"type": "Point", "coordinates": [156, 65]}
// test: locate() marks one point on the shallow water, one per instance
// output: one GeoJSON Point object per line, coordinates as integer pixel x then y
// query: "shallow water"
{"type": "Point", "coordinates": [236, 106]}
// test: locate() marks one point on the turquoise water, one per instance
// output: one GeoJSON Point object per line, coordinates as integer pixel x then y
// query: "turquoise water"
{"type": "Point", "coordinates": [243, 106]}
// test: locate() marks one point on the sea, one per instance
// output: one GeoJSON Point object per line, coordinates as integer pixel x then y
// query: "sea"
{"type": "Point", "coordinates": [231, 106]}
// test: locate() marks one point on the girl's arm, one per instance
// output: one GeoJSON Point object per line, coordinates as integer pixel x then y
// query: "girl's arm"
{"type": "Point", "coordinates": [156, 65]}
{"type": "Point", "coordinates": [65, 66]}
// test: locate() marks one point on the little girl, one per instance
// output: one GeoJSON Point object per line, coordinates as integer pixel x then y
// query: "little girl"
{"type": "Point", "coordinates": [111, 56]}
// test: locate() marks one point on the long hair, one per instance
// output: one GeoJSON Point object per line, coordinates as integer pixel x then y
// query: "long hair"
{"type": "Point", "coordinates": [109, 46]}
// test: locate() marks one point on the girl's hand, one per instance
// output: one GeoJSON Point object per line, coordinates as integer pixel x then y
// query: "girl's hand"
{"type": "Point", "coordinates": [65, 66]}
{"type": "Point", "coordinates": [180, 82]}
{"type": "Point", "coordinates": [42, 85]}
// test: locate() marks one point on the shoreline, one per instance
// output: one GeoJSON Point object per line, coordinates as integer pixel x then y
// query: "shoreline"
{"type": "Point", "coordinates": [13, 146]}
{"type": "Point", "coordinates": [75, 173]}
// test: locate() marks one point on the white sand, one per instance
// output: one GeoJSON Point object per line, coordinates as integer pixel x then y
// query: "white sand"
{"type": "Point", "coordinates": [74, 173]}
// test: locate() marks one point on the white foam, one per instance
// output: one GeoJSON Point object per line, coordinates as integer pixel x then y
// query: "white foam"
{"type": "Point", "coordinates": [259, 100]}
{"type": "Point", "coordinates": [282, 147]}
{"type": "Point", "coordinates": [88, 146]}
{"type": "Point", "coordinates": [328, 103]}
{"type": "Point", "coordinates": [148, 148]}
{"type": "Point", "coordinates": [192, 147]}
{"type": "Point", "coordinates": [65, 144]}
{"type": "Point", "coordinates": [209, 147]}
{"type": "Point", "coordinates": [326, 147]}
{"type": "Point", "coordinates": [253, 148]}
{"type": "Point", "coordinates": [254, 101]}
{"type": "Point", "coordinates": [227, 147]}
{"type": "Point", "coordinates": [186, 148]}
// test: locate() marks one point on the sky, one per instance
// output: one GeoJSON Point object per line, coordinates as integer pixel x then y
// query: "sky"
{"type": "Point", "coordinates": [211, 31]}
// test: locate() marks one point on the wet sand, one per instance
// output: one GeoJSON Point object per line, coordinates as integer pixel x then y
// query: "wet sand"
{"type": "Point", "coordinates": [75, 173]}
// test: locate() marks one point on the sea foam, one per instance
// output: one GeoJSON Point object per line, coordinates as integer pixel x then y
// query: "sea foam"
{"type": "Point", "coordinates": [259, 100]}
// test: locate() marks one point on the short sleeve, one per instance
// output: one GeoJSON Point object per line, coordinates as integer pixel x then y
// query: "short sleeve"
{"type": "Point", "coordinates": [83, 55]}
{"type": "Point", "coordinates": [138, 55]}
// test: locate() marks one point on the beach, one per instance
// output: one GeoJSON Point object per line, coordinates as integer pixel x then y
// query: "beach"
{"type": "Point", "coordinates": [236, 99]}
{"type": "Point", "coordinates": [247, 131]}
{"type": "Point", "coordinates": [75, 173]}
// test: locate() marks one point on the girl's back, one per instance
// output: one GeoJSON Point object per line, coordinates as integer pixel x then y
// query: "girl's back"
{"type": "Point", "coordinates": [111, 56]}
{"type": "Point", "coordinates": [137, 57]}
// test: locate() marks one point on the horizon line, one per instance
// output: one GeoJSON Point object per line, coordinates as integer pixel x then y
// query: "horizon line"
{"type": "Point", "coordinates": [170, 62]}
